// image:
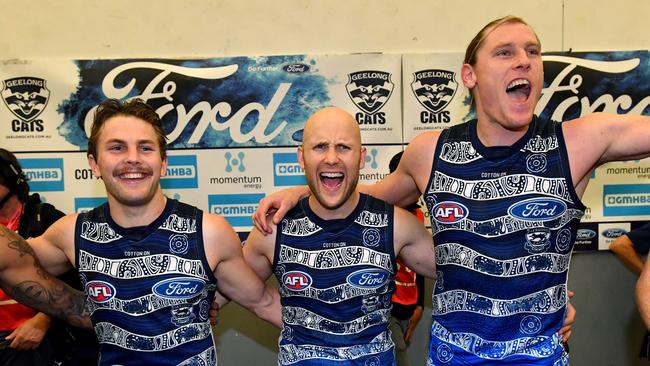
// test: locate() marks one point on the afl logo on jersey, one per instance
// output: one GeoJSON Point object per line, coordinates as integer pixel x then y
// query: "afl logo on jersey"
{"type": "Point", "coordinates": [179, 288]}
{"type": "Point", "coordinates": [449, 212]}
{"type": "Point", "coordinates": [368, 278]}
{"type": "Point", "coordinates": [296, 280]}
{"type": "Point", "coordinates": [100, 291]}
{"type": "Point", "coordinates": [536, 209]}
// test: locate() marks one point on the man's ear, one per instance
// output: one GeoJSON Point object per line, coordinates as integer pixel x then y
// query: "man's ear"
{"type": "Point", "coordinates": [301, 160]}
{"type": "Point", "coordinates": [362, 161]}
{"type": "Point", "coordinates": [163, 171]}
{"type": "Point", "coordinates": [93, 165]}
{"type": "Point", "coordinates": [468, 76]}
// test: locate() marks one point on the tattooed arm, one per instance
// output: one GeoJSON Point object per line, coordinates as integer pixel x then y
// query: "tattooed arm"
{"type": "Point", "coordinates": [23, 278]}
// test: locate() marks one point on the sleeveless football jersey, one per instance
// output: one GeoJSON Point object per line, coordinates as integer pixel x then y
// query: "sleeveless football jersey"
{"type": "Point", "coordinates": [504, 222]}
{"type": "Point", "coordinates": [149, 288]}
{"type": "Point", "coordinates": [336, 281]}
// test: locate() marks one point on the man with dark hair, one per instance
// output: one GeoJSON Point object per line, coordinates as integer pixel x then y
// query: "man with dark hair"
{"type": "Point", "coordinates": [504, 194]}
{"type": "Point", "coordinates": [149, 264]}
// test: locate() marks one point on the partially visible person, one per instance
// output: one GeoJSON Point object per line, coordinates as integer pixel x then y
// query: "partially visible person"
{"type": "Point", "coordinates": [29, 337]}
{"type": "Point", "coordinates": [408, 299]}
{"type": "Point", "coordinates": [149, 264]}
{"type": "Point", "coordinates": [24, 279]}
{"type": "Point", "coordinates": [505, 194]}
{"type": "Point", "coordinates": [628, 248]}
{"type": "Point", "coordinates": [334, 255]}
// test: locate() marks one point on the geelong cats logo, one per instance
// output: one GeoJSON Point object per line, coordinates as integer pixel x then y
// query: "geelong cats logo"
{"type": "Point", "coordinates": [369, 89]}
{"type": "Point", "coordinates": [25, 96]}
{"type": "Point", "coordinates": [434, 88]}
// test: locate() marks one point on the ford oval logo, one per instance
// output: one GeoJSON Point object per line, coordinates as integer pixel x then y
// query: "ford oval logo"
{"type": "Point", "coordinates": [536, 209]}
{"type": "Point", "coordinates": [296, 280]}
{"type": "Point", "coordinates": [100, 291]}
{"type": "Point", "coordinates": [450, 212]}
{"type": "Point", "coordinates": [368, 278]}
{"type": "Point", "coordinates": [585, 234]}
{"type": "Point", "coordinates": [296, 68]}
{"type": "Point", "coordinates": [179, 287]}
{"type": "Point", "coordinates": [613, 233]}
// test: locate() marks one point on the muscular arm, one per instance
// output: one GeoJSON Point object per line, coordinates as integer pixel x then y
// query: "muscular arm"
{"type": "Point", "coordinates": [235, 279]}
{"type": "Point", "coordinates": [258, 252]}
{"type": "Point", "coordinates": [26, 281]}
{"type": "Point", "coordinates": [598, 138]}
{"type": "Point", "coordinates": [623, 248]}
{"type": "Point", "coordinates": [413, 243]}
{"type": "Point", "coordinates": [55, 248]}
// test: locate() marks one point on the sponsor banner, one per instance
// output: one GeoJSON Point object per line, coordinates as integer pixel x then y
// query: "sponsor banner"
{"type": "Point", "coordinates": [44, 174]}
{"type": "Point", "coordinates": [85, 204]}
{"type": "Point", "coordinates": [204, 103]}
{"type": "Point", "coordinates": [236, 208]}
{"type": "Point", "coordinates": [181, 172]}
{"type": "Point", "coordinates": [434, 95]}
{"type": "Point", "coordinates": [625, 200]}
{"type": "Point", "coordinates": [587, 237]}
{"type": "Point", "coordinates": [376, 164]}
{"type": "Point", "coordinates": [608, 232]}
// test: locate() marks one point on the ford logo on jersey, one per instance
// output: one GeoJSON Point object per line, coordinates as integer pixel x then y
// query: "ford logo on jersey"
{"type": "Point", "coordinates": [179, 287]}
{"type": "Point", "coordinates": [535, 209]}
{"type": "Point", "coordinates": [585, 234]}
{"type": "Point", "coordinates": [100, 291]}
{"type": "Point", "coordinates": [613, 233]}
{"type": "Point", "coordinates": [449, 212]}
{"type": "Point", "coordinates": [296, 280]}
{"type": "Point", "coordinates": [368, 278]}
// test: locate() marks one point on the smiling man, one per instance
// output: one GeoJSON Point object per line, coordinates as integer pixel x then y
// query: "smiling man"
{"type": "Point", "coordinates": [334, 255]}
{"type": "Point", "coordinates": [504, 195]}
{"type": "Point", "coordinates": [150, 264]}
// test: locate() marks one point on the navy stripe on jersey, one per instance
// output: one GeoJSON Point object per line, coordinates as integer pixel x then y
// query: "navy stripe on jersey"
{"type": "Point", "coordinates": [336, 281]}
{"type": "Point", "coordinates": [504, 222]}
{"type": "Point", "coordinates": [149, 288]}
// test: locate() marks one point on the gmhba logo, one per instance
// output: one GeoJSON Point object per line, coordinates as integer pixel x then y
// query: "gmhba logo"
{"type": "Point", "coordinates": [236, 208]}
{"type": "Point", "coordinates": [287, 171]}
{"type": "Point", "coordinates": [44, 175]}
{"type": "Point", "coordinates": [181, 172]}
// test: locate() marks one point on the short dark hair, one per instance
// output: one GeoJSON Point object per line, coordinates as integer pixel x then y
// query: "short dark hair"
{"type": "Point", "coordinates": [12, 175]}
{"type": "Point", "coordinates": [134, 107]}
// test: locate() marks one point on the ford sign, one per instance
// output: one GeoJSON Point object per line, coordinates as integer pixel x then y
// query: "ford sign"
{"type": "Point", "coordinates": [537, 209]}
{"type": "Point", "coordinates": [179, 287]}
{"type": "Point", "coordinates": [585, 234]}
{"type": "Point", "coordinates": [613, 233]}
{"type": "Point", "coordinates": [295, 68]}
{"type": "Point", "coordinates": [368, 278]}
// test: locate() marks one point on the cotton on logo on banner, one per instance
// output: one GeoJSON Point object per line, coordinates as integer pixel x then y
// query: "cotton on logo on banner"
{"type": "Point", "coordinates": [181, 172]}
{"type": "Point", "coordinates": [44, 175]}
{"type": "Point", "coordinates": [236, 208]}
{"type": "Point", "coordinates": [26, 97]}
{"type": "Point", "coordinates": [369, 90]}
{"type": "Point", "coordinates": [434, 89]}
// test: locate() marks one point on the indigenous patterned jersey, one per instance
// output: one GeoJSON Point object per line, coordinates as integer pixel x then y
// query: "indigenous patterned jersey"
{"type": "Point", "coordinates": [336, 282]}
{"type": "Point", "coordinates": [504, 222]}
{"type": "Point", "coordinates": [149, 288]}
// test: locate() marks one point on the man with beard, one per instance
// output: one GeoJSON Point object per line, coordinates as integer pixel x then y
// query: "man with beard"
{"type": "Point", "coordinates": [515, 181]}
{"type": "Point", "coordinates": [149, 264]}
{"type": "Point", "coordinates": [334, 254]}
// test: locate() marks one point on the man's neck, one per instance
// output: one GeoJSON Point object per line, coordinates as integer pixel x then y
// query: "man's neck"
{"type": "Point", "coordinates": [339, 213]}
{"type": "Point", "coordinates": [142, 215]}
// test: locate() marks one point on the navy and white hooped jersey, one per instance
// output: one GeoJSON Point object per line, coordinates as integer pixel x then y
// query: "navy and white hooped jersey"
{"type": "Point", "coordinates": [149, 288]}
{"type": "Point", "coordinates": [336, 281]}
{"type": "Point", "coordinates": [504, 222]}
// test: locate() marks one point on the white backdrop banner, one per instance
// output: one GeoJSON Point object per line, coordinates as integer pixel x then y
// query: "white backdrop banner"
{"type": "Point", "coordinates": [233, 124]}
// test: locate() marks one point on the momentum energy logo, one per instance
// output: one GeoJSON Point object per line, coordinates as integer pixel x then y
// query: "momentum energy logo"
{"type": "Point", "coordinates": [626, 199]}
{"type": "Point", "coordinates": [287, 171]}
{"type": "Point", "coordinates": [181, 172]}
{"type": "Point", "coordinates": [84, 204]}
{"type": "Point", "coordinates": [236, 208]}
{"type": "Point", "coordinates": [45, 175]}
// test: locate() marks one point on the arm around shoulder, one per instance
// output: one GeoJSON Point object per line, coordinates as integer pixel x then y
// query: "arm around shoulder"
{"type": "Point", "coordinates": [414, 244]}
{"type": "Point", "coordinates": [55, 248]}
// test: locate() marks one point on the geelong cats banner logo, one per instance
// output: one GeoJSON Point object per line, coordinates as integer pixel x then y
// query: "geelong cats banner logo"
{"type": "Point", "coordinates": [434, 89]}
{"type": "Point", "coordinates": [25, 96]}
{"type": "Point", "coordinates": [369, 89]}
